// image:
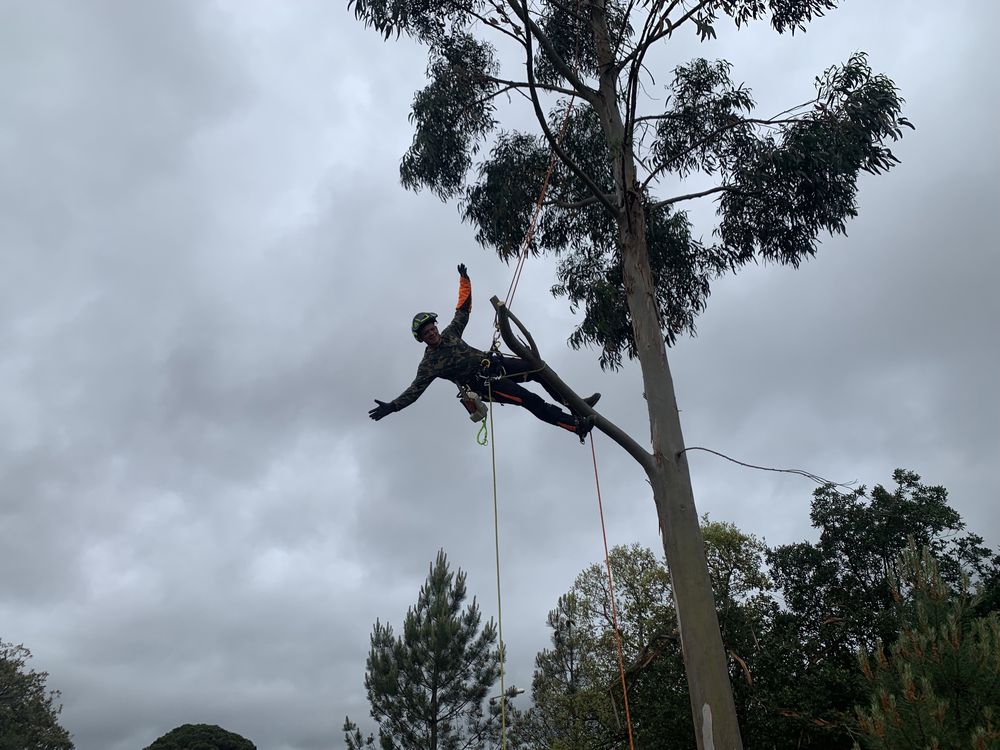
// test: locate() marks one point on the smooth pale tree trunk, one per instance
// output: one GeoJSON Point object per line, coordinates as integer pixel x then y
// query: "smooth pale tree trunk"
{"type": "Point", "coordinates": [712, 706]}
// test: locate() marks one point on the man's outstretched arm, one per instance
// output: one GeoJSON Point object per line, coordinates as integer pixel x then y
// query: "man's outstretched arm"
{"type": "Point", "coordinates": [464, 306]}
{"type": "Point", "coordinates": [407, 397]}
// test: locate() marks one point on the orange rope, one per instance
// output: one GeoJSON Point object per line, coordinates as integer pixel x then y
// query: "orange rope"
{"type": "Point", "coordinates": [529, 235]}
{"type": "Point", "coordinates": [611, 591]}
{"type": "Point", "coordinates": [533, 225]}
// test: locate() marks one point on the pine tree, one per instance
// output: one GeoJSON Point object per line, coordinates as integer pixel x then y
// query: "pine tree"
{"type": "Point", "coordinates": [428, 687]}
{"type": "Point", "coordinates": [937, 687]}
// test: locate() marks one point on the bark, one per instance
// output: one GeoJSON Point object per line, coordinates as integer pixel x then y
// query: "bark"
{"type": "Point", "coordinates": [712, 706]}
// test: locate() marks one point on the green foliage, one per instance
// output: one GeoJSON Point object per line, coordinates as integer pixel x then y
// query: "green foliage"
{"type": "Point", "coordinates": [201, 737]}
{"type": "Point", "coordinates": [578, 700]}
{"type": "Point", "coordinates": [842, 583]}
{"type": "Point", "coordinates": [427, 687]}
{"type": "Point", "coordinates": [781, 181]}
{"type": "Point", "coordinates": [29, 715]}
{"type": "Point", "coordinates": [793, 659]}
{"type": "Point", "coordinates": [576, 690]}
{"type": "Point", "coordinates": [937, 685]}
{"type": "Point", "coordinates": [838, 598]}
{"type": "Point", "coordinates": [789, 188]}
{"type": "Point", "coordinates": [571, 710]}
{"type": "Point", "coordinates": [451, 115]}
{"type": "Point", "coordinates": [702, 130]}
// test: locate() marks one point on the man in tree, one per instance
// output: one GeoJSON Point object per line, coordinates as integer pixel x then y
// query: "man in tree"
{"type": "Point", "coordinates": [448, 356]}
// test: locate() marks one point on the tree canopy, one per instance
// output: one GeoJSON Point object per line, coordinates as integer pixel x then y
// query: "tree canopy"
{"type": "Point", "coordinates": [201, 737]}
{"type": "Point", "coordinates": [793, 658]}
{"type": "Point", "coordinates": [428, 687]}
{"type": "Point", "coordinates": [779, 179]}
{"type": "Point", "coordinates": [29, 714]}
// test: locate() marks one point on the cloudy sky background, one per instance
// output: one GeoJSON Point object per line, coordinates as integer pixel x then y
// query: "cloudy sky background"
{"type": "Point", "coordinates": [207, 271]}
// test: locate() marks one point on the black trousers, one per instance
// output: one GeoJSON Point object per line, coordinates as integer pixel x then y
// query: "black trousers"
{"type": "Point", "coordinates": [506, 373]}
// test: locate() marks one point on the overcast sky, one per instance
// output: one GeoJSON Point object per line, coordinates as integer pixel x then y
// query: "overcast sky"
{"type": "Point", "coordinates": [207, 272]}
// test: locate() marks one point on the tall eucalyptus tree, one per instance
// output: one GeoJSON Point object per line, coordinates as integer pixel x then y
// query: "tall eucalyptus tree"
{"type": "Point", "coordinates": [614, 209]}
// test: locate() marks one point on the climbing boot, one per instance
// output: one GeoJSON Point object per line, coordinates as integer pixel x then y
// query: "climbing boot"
{"type": "Point", "coordinates": [589, 401]}
{"type": "Point", "coordinates": [583, 427]}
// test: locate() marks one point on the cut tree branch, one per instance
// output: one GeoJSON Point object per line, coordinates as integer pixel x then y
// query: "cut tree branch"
{"type": "Point", "coordinates": [529, 353]}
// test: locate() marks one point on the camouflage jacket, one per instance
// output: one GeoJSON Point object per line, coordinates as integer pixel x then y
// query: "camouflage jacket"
{"type": "Point", "coordinates": [452, 359]}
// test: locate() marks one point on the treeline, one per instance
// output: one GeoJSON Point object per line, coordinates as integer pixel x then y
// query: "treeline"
{"type": "Point", "coordinates": [884, 633]}
{"type": "Point", "coordinates": [29, 714]}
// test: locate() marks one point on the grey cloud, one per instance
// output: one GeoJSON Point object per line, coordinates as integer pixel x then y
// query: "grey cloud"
{"type": "Point", "coordinates": [208, 273]}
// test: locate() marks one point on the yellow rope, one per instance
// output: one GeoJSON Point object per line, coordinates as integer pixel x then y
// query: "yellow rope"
{"type": "Point", "coordinates": [496, 538]}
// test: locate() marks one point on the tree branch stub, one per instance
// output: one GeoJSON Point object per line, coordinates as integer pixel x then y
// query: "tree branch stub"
{"type": "Point", "coordinates": [528, 351]}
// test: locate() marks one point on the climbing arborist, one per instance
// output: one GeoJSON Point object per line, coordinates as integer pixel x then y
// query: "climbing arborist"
{"type": "Point", "coordinates": [448, 356]}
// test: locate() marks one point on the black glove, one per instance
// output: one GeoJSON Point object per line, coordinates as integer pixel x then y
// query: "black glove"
{"type": "Point", "coordinates": [382, 410]}
{"type": "Point", "coordinates": [463, 271]}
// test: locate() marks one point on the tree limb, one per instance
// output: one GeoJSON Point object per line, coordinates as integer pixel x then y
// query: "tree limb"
{"type": "Point", "coordinates": [553, 141]}
{"type": "Point", "coordinates": [690, 196]}
{"type": "Point", "coordinates": [529, 352]}
{"type": "Point", "coordinates": [775, 120]}
{"type": "Point", "coordinates": [533, 30]}
{"type": "Point", "coordinates": [493, 25]}
{"type": "Point", "coordinates": [736, 121]}
{"type": "Point", "coordinates": [578, 204]}
{"type": "Point", "coordinates": [621, 32]}
{"type": "Point", "coordinates": [526, 85]}
{"type": "Point", "coordinates": [647, 39]}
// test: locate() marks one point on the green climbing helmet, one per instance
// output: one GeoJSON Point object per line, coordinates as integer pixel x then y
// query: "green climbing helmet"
{"type": "Point", "coordinates": [420, 320]}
